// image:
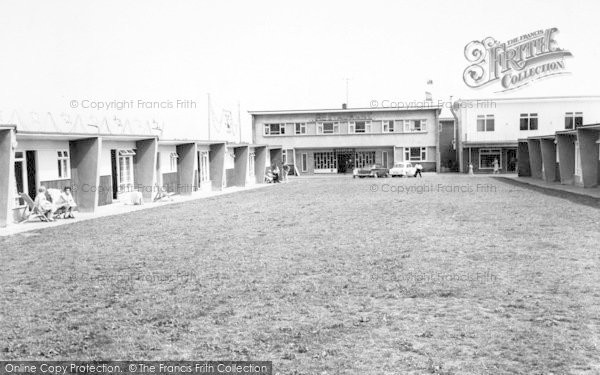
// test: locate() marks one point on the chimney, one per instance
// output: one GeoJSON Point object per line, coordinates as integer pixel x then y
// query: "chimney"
{"type": "Point", "coordinates": [344, 106]}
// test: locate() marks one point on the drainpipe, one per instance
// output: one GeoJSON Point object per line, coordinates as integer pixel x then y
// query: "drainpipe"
{"type": "Point", "coordinates": [457, 141]}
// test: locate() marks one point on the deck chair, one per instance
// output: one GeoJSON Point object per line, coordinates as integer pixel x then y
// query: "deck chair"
{"type": "Point", "coordinates": [162, 194]}
{"type": "Point", "coordinates": [269, 177]}
{"type": "Point", "coordinates": [32, 211]}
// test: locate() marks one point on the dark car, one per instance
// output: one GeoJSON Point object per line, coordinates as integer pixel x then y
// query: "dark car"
{"type": "Point", "coordinates": [375, 170]}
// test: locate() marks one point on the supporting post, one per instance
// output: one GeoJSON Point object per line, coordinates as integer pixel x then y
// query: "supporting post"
{"type": "Point", "coordinates": [588, 151]}
{"type": "Point", "coordinates": [185, 168]}
{"type": "Point", "coordinates": [7, 155]}
{"type": "Point", "coordinates": [145, 167]}
{"type": "Point", "coordinates": [535, 157]}
{"type": "Point", "coordinates": [85, 172]}
{"type": "Point", "coordinates": [548, 149]}
{"type": "Point", "coordinates": [217, 165]}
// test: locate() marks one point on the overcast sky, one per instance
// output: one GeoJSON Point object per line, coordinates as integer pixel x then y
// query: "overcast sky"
{"type": "Point", "coordinates": [269, 54]}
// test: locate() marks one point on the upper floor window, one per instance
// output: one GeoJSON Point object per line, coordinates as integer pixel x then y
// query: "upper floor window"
{"type": "Point", "coordinates": [300, 128]}
{"type": "Point", "coordinates": [328, 128]}
{"type": "Point", "coordinates": [64, 168]}
{"type": "Point", "coordinates": [573, 120]}
{"type": "Point", "coordinates": [485, 123]}
{"type": "Point", "coordinates": [415, 125]}
{"type": "Point", "coordinates": [388, 126]}
{"type": "Point", "coordinates": [274, 129]}
{"type": "Point", "coordinates": [528, 121]}
{"type": "Point", "coordinates": [359, 127]}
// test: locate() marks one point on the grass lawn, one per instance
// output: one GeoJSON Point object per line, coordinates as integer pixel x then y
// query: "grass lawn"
{"type": "Point", "coordinates": [321, 276]}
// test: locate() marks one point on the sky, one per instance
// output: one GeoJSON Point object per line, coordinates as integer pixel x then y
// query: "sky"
{"type": "Point", "coordinates": [259, 55]}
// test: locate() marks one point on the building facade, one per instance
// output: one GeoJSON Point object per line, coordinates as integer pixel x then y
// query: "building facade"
{"type": "Point", "coordinates": [106, 160]}
{"type": "Point", "coordinates": [490, 129]}
{"type": "Point", "coordinates": [337, 141]}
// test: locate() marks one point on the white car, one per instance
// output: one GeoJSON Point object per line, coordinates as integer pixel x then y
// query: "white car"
{"type": "Point", "coordinates": [403, 169]}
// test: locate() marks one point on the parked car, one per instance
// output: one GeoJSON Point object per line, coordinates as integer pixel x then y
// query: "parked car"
{"type": "Point", "coordinates": [375, 170]}
{"type": "Point", "coordinates": [403, 169]}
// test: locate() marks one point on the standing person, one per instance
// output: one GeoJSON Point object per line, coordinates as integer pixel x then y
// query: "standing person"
{"type": "Point", "coordinates": [418, 169]}
{"type": "Point", "coordinates": [286, 171]}
{"type": "Point", "coordinates": [496, 166]}
{"type": "Point", "coordinates": [275, 171]}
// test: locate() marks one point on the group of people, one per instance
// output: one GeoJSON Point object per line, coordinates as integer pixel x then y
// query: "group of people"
{"type": "Point", "coordinates": [277, 175]}
{"type": "Point", "coordinates": [50, 205]}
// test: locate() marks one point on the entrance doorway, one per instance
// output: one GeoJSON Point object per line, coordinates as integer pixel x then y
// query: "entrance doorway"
{"type": "Point", "coordinates": [345, 160]}
{"type": "Point", "coordinates": [511, 160]}
{"type": "Point", "coordinates": [25, 176]}
{"type": "Point", "coordinates": [31, 177]}
{"type": "Point", "coordinates": [114, 174]}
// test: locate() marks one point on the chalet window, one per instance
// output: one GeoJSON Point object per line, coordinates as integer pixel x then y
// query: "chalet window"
{"type": "Point", "coordinates": [125, 170]}
{"type": "Point", "coordinates": [204, 167]}
{"type": "Point", "coordinates": [64, 164]}
{"type": "Point", "coordinates": [173, 158]}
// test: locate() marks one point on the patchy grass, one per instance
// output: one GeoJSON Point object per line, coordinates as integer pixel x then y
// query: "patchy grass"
{"type": "Point", "coordinates": [319, 276]}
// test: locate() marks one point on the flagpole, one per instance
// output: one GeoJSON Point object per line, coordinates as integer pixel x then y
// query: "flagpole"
{"type": "Point", "coordinates": [239, 121]}
{"type": "Point", "coordinates": [208, 105]}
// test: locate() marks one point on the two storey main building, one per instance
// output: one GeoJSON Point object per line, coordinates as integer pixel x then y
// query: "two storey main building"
{"type": "Point", "coordinates": [338, 140]}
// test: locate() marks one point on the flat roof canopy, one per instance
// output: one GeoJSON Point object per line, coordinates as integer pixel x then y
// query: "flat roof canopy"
{"type": "Point", "coordinates": [349, 110]}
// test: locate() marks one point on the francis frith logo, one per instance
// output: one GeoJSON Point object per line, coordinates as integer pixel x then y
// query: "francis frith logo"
{"type": "Point", "coordinates": [514, 63]}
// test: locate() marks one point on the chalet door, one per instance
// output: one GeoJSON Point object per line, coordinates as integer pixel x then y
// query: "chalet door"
{"type": "Point", "coordinates": [31, 174]}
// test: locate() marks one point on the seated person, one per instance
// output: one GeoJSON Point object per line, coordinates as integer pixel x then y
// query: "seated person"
{"type": "Point", "coordinates": [275, 172]}
{"type": "Point", "coordinates": [66, 203]}
{"type": "Point", "coordinates": [43, 205]}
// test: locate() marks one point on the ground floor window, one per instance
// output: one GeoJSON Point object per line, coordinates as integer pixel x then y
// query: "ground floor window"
{"type": "Point", "coordinates": [64, 164]}
{"type": "Point", "coordinates": [173, 158]}
{"type": "Point", "coordinates": [125, 170]}
{"type": "Point", "coordinates": [251, 158]}
{"type": "Point", "coordinates": [364, 158]}
{"type": "Point", "coordinates": [204, 167]}
{"type": "Point", "coordinates": [287, 156]}
{"type": "Point", "coordinates": [304, 162]}
{"type": "Point", "coordinates": [325, 160]}
{"type": "Point", "coordinates": [415, 153]}
{"type": "Point", "coordinates": [487, 156]}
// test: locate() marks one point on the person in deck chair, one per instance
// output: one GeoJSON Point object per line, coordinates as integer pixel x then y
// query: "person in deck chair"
{"type": "Point", "coordinates": [66, 202]}
{"type": "Point", "coordinates": [43, 204]}
{"type": "Point", "coordinates": [275, 172]}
